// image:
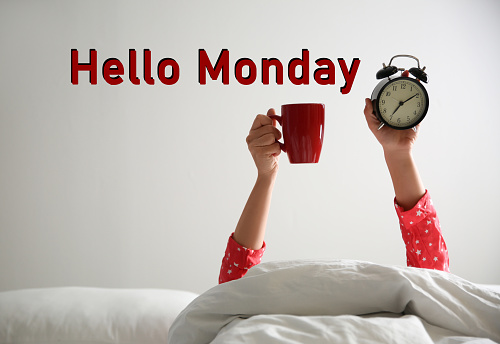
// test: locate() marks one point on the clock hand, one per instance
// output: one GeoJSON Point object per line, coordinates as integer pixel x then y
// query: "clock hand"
{"type": "Point", "coordinates": [400, 103]}
{"type": "Point", "coordinates": [410, 98]}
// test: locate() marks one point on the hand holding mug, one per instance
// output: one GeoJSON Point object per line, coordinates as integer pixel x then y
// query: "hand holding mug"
{"type": "Point", "coordinates": [263, 145]}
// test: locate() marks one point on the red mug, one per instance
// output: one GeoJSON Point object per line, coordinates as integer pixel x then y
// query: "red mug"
{"type": "Point", "coordinates": [303, 130]}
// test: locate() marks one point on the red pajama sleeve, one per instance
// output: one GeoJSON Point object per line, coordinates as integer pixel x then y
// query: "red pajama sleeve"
{"type": "Point", "coordinates": [421, 232]}
{"type": "Point", "coordinates": [420, 229]}
{"type": "Point", "coordinates": [237, 260]}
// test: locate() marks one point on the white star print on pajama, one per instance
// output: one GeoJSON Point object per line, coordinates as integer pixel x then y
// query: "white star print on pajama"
{"type": "Point", "coordinates": [421, 232]}
{"type": "Point", "coordinates": [238, 260]}
{"type": "Point", "coordinates": [425, 246]}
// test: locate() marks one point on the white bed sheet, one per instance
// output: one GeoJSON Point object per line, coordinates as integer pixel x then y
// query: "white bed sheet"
{"type": "Point", "coordinates": [494, 287]}
{"type": "Point", "coordinates": [341, 302]}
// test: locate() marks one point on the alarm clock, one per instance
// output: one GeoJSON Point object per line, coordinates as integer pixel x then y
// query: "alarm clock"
{"type": "Point", "coordinates": [400, 101]}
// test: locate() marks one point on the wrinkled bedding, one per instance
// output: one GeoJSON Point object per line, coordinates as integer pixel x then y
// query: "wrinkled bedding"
{"type": "Point", "coordinates": [341, 301]}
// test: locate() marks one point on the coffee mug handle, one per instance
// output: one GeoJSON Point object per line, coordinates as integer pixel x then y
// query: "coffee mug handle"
{"type": "Point", "coordinates": [278, 118]}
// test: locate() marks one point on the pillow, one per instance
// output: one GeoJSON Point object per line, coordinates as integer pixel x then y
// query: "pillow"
{"type": "Point", "coordinates": [79, 315]}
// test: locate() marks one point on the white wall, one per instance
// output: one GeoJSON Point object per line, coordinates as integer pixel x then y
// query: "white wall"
{"type": "Point", "coordinates": [140, 186]}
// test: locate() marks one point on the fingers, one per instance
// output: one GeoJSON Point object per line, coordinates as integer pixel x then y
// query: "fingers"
{"type": "Point", "coordinates": [263, 131]}
{"type": "Point", "coordinates": [263, 136]}
{"type": "Point", "coordinates": [266, 151]}
{"type": "Point", "coordinates": [261, 120]}
{"type": "Point", "coordinates": [263, 143]}
{"type": "Point", "coordinates": [271, 112]}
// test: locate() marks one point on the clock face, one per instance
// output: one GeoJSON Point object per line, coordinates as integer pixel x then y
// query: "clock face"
{"type": "Point", "coordinates": [402, 103]}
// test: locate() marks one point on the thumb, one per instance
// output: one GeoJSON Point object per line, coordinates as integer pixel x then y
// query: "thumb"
{"type": "Point", "coordinates": [368, 106]}
{"type": "Point", "coordinates": [272, 112]}
{"type": "Point", "coordinates": [371, 119]}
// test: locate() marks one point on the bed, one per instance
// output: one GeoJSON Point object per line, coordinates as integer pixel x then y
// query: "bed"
{"type": "Point", "coordinates": [302, 301]}
{"type": "Point", "coordinates": [341, 301]}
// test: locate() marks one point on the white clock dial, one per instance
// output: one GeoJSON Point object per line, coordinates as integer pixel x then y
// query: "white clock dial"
{"type": "Point", "coordinates": [402, 103]}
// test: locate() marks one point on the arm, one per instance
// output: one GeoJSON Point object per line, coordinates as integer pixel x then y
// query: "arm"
{"type": "Point", "coordinates": [397, 145]}
{"type": "Point", "coordinates": [251, 226]}
{"type": "Point", "coordinates": [246, 246]}
{"type": "Point", "coordinates": [419, 224]}
{"type": "Point", "coordinates": [406, 180]}
{"type": "Point", "coordinates": [265, 151]}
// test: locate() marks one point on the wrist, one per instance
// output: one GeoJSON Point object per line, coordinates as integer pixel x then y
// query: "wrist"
{"type": "Point", "coordinates": [405, 177]}
{"type": "Point", "coordinates": [397, 153]}
{"type": "Point", "coordinates": [267, 178]}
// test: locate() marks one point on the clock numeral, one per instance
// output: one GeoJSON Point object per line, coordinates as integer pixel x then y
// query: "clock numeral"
{"type": "Point", "coordinates": [383, 102]}
{"type": "Point", "coordinates": [388, 94]}
{"type": "Point", "coordinates": [408, 119]}
{"type": "Point", "coordinates": [384, 111]}
{"type": "Point", "coordinates": [415, 112]}
{"type": "Point", "coordinates": [399, 120]}
{"type": "Point", "coordinates": [418, 104]}
{"type": "Point", "coordinates": [395, 87]}
{"type": "Point", "coordinates": [403, 86]}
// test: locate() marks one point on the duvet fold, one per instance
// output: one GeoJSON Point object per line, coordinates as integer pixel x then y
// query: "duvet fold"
{"type": "Point", "coordinates": [341, 301]}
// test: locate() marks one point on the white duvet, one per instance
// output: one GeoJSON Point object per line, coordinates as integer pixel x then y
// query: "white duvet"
{"type": "Point", "coordinates": [341, 302]}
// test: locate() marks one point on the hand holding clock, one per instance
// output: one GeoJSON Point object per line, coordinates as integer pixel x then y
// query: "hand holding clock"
{"type": "Point", "coordinates": [390, 139]}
